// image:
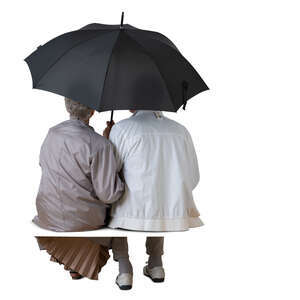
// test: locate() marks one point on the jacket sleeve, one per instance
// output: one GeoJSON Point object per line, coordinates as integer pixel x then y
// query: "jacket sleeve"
{"type": "Point", "coordinates": [106, 182]}
{"type": "Point", "coordinates": [193, 161]}
{"type": "Point", "coordinates": [117, 138]}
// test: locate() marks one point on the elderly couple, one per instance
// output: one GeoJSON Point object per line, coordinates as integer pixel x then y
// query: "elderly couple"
{"type": "Point", "coordinates": [138, 176]}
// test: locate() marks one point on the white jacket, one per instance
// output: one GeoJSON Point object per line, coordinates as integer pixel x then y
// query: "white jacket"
{"type": "Point", "coordinates": [160, 169]}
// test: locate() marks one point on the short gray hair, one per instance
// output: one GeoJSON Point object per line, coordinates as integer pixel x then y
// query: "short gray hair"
{"type": "Point", "coordinates": [78, 110]}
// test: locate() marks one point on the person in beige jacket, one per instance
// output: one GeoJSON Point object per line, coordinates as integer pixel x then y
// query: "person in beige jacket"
{"type": "Point", "coordinates": [79, 175]}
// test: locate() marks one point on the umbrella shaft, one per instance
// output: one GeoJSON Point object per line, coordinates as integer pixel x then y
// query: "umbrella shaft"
{"type": "Point", "coordinates": [111, 116]}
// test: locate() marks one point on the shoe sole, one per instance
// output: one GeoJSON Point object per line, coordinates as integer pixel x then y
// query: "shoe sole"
{"type": "Point", "coordinates": [124, 287]}
{"type": "Point", "coordinates": [156, 280]}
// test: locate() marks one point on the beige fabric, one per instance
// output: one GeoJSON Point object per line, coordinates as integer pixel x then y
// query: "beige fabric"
{"type": "Point", "coordinates": [79, 177]}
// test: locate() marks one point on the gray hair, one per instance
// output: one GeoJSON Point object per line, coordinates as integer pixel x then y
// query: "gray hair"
{"type": "Point", "coordinates": [78, 110]}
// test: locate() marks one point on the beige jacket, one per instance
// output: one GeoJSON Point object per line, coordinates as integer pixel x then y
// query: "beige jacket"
{"type": "Point", "coordinates": [79, 178]}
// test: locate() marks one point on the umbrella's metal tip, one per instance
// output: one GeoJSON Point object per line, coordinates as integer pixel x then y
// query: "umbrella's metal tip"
{"type": "Point", "coordinates": [122, 20]}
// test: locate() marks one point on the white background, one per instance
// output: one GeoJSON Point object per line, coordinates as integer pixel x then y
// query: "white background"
{"type": "Point", "coordinates": [245, 129]}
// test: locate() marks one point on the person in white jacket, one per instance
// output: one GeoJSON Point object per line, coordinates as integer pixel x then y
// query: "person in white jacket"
{"type": "Point", "coordinates": [159, 164]}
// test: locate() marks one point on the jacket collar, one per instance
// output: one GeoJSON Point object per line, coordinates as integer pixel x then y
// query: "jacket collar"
{"type": "Point", "coordinates": [75, 120]}
{"type": "Point", "coordinates": [157, 113]}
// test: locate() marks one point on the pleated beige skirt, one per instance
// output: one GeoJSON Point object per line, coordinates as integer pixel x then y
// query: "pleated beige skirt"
{"type": "Point", "coordinates": [78, 254]}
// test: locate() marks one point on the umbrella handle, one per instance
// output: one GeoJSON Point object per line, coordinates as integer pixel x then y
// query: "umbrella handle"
{"type": "Point", "coordinates": [185, 86]}
{"type": "Point", "coordinates": [111, 116]}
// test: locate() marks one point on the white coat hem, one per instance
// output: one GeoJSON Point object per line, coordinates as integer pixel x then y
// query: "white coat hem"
{"type": "Point", "coordinates": [180, 224]}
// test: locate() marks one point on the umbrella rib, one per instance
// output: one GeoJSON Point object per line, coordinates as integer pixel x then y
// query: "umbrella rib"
{"type": "Point", "coordinates": [108, 65]}
{"type": "Point", "coordinates": [158, 33]}
{"type": "Point", "coordinates": [55, 62]}
{"type": "Point", "coordinates": [170, 47]}
{"type": "Point", "coordinates": [156, 65]}
{"type": "Point", "coordinates": [177, 52]}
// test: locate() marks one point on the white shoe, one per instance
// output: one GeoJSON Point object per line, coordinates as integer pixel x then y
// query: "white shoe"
{"type": "Point", "coordinates": [124, 281]}
{"type": "Point", "coordinates": [156, 274]}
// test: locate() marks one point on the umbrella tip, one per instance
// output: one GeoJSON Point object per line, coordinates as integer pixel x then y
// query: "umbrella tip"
{"type": "Point", "coordinates": [122, 19]}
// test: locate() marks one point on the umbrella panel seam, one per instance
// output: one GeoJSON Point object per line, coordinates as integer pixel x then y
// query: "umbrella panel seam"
{"type": "Point", "coordinates": [156, 65]}
{"type": "Point", "coordinates": [68, 50]}
{"type": "Point", "coordinates": [107, 69]}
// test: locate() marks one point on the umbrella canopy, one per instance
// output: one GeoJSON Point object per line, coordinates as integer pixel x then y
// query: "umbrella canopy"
{"type": "Point", "coordinates": [115, 67]}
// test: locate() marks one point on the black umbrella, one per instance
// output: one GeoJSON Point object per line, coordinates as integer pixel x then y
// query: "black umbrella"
{"type": "Point", "coordinates": [115, 67]}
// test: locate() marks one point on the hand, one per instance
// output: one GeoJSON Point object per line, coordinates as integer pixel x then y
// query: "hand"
{"type": "Point", "coordinates": [107, 130]}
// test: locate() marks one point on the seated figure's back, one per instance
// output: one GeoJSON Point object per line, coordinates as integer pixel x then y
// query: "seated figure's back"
{"type": "Point", "coordinates": [78, 177]}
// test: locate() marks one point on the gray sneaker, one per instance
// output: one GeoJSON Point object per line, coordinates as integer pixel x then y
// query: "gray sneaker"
{"type": "Point", "coordinates": [124, 281]}
{"type": "Point", "coordinates": [156, 274]}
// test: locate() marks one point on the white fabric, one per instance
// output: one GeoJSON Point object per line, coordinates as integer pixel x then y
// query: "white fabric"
{"type": "Point", "coordinates": [160, 168]}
